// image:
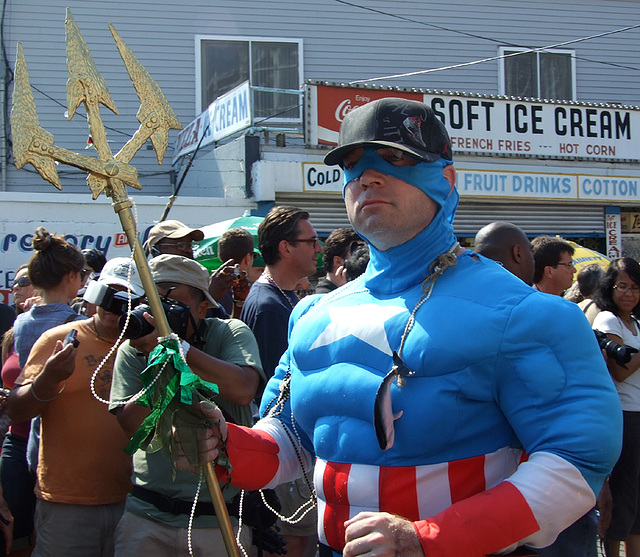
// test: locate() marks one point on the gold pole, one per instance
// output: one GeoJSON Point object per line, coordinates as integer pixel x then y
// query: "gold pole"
{"type": "Point", "coordinates": [221, 511]}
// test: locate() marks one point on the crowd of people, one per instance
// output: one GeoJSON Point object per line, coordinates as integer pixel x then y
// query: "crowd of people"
{"type": "Point", "coordinates": [418, 398]}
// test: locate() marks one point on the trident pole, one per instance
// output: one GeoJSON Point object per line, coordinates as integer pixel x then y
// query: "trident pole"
{"type": "Point", "coordinates": [35, 146]}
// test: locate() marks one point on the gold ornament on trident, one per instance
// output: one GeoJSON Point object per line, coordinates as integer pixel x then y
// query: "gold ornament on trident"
{"type": "Point", "coordinates": [108, 173]}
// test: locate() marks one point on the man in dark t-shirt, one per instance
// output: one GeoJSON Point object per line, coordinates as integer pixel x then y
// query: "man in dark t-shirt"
{"type": "Point", "coordinates": [289, 246]}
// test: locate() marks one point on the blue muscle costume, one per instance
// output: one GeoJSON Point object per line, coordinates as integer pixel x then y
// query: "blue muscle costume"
{"type": "Point", "coordinates": [509, 425]}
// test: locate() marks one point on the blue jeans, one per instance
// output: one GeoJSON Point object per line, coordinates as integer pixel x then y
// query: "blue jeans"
{"type": "Point", "coordinates": [579, 540]}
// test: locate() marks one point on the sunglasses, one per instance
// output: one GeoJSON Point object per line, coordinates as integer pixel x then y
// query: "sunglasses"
{"type": "Point", "coordinates": [180, 246]}
{"type": "Point", "coordinates": [84, 273]}
{"type": "Point", "coordinates": [22, 281]}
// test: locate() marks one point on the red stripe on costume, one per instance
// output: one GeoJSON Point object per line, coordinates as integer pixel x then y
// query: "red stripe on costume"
{"type": "Point", "coordinates": [466, 478]}
{"type": "Point", "coordinates": [335, 485]}
{"type": "Point", "coordinates": [254, 456]}
{"type": "Point", "coordinates": [397, 491]}
{"type": "Point", "coordinates": [482, 524]}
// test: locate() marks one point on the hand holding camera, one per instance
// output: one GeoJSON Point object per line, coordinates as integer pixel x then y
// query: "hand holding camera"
{"type": "Point", "coordinates": [620, 353]}
{"type": "Point", "coordinates": [59, 366]}
{"type": "Point", "coordinates": [143, 329]}
{"type": "Point", "coordinates": [222, 279]}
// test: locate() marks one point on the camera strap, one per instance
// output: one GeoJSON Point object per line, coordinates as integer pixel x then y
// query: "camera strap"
{"type": "Point", "coordinates": [199, 332]}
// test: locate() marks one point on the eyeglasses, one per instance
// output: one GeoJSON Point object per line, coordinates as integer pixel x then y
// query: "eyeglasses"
{"type": "Point", "coordinates": [84, 273]}
{"type": "Point", "coordinates": [22, 281]}
{"type": "Point", "coordinates": [180, 246]}
{"type": "Point", "coordinates": [313, 241]}
{"type": "Point", "coordinates": [623, 288]}
{"type": "Point", "coordinates": [570, 264]}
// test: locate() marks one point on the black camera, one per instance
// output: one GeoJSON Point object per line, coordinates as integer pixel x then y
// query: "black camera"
{"type": "Point", "coordinates": [177, 315]}
{"type": "Point", "coordinates": [71, 338]}
{"type": "Point", "coordinates": [110, 299]}
{"type": "Point", "coordinates": [118, 302]}
{"type": "Point", "coordinates": [621, 353]}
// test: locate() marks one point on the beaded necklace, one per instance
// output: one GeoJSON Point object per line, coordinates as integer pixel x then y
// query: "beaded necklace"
{"type": "Point", "coordinates": [274, 283]}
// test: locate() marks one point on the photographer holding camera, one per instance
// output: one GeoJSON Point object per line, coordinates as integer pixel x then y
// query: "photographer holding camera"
{"type": "Point", "coordinates": [619, 299]}
{"type": "Point", "coordinates": [83, 472]}
{"type": "Point", "coordinates": [222, 351]}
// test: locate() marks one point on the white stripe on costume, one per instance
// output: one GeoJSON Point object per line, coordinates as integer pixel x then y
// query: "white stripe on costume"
{"type": "Point", "coordinates": [556, 492]}
{"type": "Point", "coordinates": [289, 463]}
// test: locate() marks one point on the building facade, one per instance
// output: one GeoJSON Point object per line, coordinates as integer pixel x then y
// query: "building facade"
{"type": "Point", "coordinates": [541, 100]}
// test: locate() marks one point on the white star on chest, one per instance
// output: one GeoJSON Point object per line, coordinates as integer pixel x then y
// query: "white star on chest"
{"type": "Point", "coordinates": [365, 322]}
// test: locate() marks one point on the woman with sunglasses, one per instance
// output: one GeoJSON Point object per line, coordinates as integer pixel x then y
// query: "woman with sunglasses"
{"type": "Point", "coordinates": [22, 290]}
{"type": "Point", "coordinates": [56, 269]}
{"type": "Point", "coordinates": [619, 299]}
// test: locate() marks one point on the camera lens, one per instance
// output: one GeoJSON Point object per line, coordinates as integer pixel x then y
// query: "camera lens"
{"type": "Point", "coordinates": [138, 325]}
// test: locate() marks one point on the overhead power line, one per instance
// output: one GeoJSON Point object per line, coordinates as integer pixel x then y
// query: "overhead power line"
{"type": "Point", "coordinates": [492, 58]}
{"type": "Point", "coordinates": [484, 38]}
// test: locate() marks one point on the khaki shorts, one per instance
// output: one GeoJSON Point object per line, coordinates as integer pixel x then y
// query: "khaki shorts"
{"type": "Point", "coordinates": [292, 496]}
{"type": "Point", "coordinates": [75, 530]}
{"type": "Point", "coordinates": [136, 536]}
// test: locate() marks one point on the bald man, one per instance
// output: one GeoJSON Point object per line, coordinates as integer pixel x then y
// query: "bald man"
{"type": "Point", "coordinates": [506, 243]}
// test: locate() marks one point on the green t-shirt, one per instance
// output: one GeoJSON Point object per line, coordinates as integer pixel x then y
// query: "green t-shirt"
{"type": "Point", "coordinates": [229, 340]}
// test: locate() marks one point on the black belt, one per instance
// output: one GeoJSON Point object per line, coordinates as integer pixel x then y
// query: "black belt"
{"type": "Point", "coordinates": [170, 504]}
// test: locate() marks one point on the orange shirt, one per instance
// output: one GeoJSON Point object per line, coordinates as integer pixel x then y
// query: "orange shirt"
{"type": "Point", "coordinates": [81, 458]}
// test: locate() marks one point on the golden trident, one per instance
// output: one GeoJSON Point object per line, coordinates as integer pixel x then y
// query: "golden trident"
{"type": "Point", "coordinates": [34, 145]}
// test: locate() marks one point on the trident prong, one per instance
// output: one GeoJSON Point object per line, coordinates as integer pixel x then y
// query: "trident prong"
{"type": "Point", "coordinates": [155, 115]}
{"type": "Point", "coordinates": [29, 139]}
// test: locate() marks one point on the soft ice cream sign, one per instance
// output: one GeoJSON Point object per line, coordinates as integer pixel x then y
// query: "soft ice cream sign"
{"type": "Point", "coordinates": [492, 125]}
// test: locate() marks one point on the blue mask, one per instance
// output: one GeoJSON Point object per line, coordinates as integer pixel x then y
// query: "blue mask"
{"type": "Point", "coordinates": [426, 176]}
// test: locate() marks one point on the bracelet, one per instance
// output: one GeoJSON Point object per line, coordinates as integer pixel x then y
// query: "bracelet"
{"type": "Point", "coordinates": [46, 399]}
{"type": "Point", "coordinates": [185, 348]}
{"type": "Point", "coordinates": [239, 303]}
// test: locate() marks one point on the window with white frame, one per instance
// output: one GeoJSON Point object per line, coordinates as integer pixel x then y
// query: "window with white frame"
{"type": "Point", "coordinates": [226, 62]}
{"type": "Point", "coordinates": [544, 74]}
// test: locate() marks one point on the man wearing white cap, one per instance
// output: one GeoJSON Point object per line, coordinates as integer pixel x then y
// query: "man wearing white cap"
{"type": "Point", "coordinates": [222, 351]}
{"type": "Point", "coordinates": [83, 472]}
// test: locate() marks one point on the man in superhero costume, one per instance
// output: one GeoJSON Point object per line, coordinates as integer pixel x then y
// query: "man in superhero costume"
{"type": "Point", "coordinates": [451, 409]}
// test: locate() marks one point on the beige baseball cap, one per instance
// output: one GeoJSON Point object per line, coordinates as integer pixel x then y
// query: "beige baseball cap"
{"type": "Point", "coordinates": [182, 270]}
{"type": "Point", "coordinates": [171, 229]}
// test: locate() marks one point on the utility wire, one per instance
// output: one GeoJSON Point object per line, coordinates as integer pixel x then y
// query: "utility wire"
{"type": "Point", "coordinates": [492, 58]}
{"type": "Point", "coordinates": [482, 37]}
{"type": "Point", "coordinates": [425, 24]}
{"type": "Point", "coordinates": [79, 113]}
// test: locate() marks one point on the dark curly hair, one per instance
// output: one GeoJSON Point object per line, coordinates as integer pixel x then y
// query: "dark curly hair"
{"type": "Point", "coordinates": [94, 258]}
{"type": "Point", "coordinates": [338, 243]}
{"type": "Point", "coordinates": [604, 294]}
{"type": "Point", "coordinates": [54, 257]}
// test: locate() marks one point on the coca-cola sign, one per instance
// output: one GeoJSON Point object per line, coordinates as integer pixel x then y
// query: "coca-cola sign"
{"type": "Point", "coordinates": [334, 103]}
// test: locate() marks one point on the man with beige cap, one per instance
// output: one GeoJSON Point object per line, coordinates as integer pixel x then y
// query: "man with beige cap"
{"type": "Point", "coordinates": [222, 351]}
{"type": "Point", "coordinates": [172, 237]}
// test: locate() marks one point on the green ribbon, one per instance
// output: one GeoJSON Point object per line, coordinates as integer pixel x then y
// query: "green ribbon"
{"type": "Point", "coordinates": [183, 382]}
